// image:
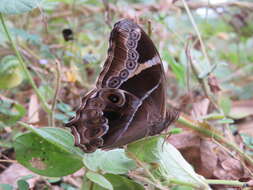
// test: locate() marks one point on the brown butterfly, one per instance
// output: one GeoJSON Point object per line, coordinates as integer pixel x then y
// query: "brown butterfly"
{"type": "Point", "coordinates": [128, 102]}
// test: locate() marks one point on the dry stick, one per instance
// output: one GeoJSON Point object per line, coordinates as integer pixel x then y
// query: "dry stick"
{"type": "Point", "coordinates": [8, 161]}
{"type": "Point", "coordinates": [212, 134]}
{"type": "Point", "coordinates": [58, 86]}
{"type": "Point", "coordinates": [24, 67]}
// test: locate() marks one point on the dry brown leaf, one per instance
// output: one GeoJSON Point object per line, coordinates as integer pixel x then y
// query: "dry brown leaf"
{"type": "Point", "coordinates": [200, 108]}
{"type": "Point", "coordinates": [33, 109]}
{"type": "Point", "coordinates": [246, 128]}
{"type": "Point", "coordinates": [209, 158]}
{"type": "Point", "coordinates": [14, 172]}
{"type": "Point", "coordinates": [185, 139]}
{"type": "Point", "coordinates": [241, 109]}
{"type": "Point", "coordinates": [234, 167]}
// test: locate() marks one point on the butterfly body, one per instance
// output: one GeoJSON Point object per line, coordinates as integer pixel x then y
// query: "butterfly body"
{"type": "Point", "coordinates": [128, 102]}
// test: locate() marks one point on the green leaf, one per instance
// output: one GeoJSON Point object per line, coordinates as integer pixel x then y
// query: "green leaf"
{"type": "Point", "coordinates": [23, 185]}
{"type": "Point", "coordinates": [11, 112]}
{"type": "Point", "coordinates": [46, 91]}
{"type": "Point", "coordinates": [64, 107]}
{"type": "Point", "coordinates": [120, 182]}
{"type": "Point", "coordinates": [177, 69]}
{"type": "Point", "coordinates": [99, 179]}
{"type": "Point", "coordinates": [66, 186]}
{"type": "Point", "coordinates": [5, 187]}
{"type": "Point", "coordinates": [113, 161]}
{"type": "Point", "coordinates": [247, 140]}
{"type": "Point", "coordinates": [225, 104]}
{"type": "Point", "coordinates": [226, 120]}
{"type": "Point", "coordinates": [48, 151]}
{"type": "Point", "coordinates": [143, 149]}
{"type": "Point", "coordinates": [176, 131]}
{"type": "Point", "coordinates": [33, 38]}
{"type": "Point", "coordinates": [179, 187]}
{"type": "Point", "coordinates": [171, 163]}
{"type": "Point", "coordinates": [61, 117]}
{"type": "Point", "coordinates": [10, 72]}
{"type": "Point", "coordinates": [18, 6]}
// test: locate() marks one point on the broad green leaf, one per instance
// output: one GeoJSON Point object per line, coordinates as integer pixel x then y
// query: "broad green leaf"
{"type": "Point", "coordinates": [23, 185]}
{"type": "Point", "coordinates": [66, 186]}
{"type": "Point", "coordinates": [179, 187]}
{"type": "Point", "coordinates": [177, 69]}
{"type": "Point", "coordinates": [66, 109]}
{"type": "Point", "coordinates": [248, 140]}
{"type": "Point", "coordinates": [99, 179]}
{"type": "Point", "coordinates": [112, 161]}
{"type": "Point", "coordinates": [61, 117]}
{"type": "Point", "coordinates": [10, 72]}
{"type": "Point", "coordinates": [46, 91]}
{"type": "Point", "coordinates": [143, 149]}
{"type": "Point", "coordinates": [6, 187]}
{"type": "Point", "coordinates": [18, 6]}
{"type": "Point", "coordinates": [11, 112]}
{"type": "Point", "coordinates": [225, 104]}
{"type": "Point", "coordinates": [120, 182]}
{"type": "Point", "coordinates": [171, 163]}
{"type": "Point", "coordinates": [33, 38]}
{"type": "Point", "coordinates": [48, 151]}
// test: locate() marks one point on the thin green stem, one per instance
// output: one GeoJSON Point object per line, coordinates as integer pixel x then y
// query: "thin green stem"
{"type": "Point", "coordinates": [216, 136]}
{"type": "Point", "coordinates": [57, 88]}
{"type": "Point", "coordinates": [24, 67]}
{"type": "Point", "coordinates": [225, 182]}
{"type": "Point", "coordinates": [179, 182]}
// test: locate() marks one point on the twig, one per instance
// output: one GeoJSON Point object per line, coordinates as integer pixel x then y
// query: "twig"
{"type": "Point", "coordinates": [24, 67]}
{"type": "Point", "coordinates": [57, 88]}
{"type": "Point", "coordinates": [9, 161]}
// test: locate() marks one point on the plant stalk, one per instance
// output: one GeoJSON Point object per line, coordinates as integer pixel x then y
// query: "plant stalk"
{"type": "Point", "coordinates": [24, 67]}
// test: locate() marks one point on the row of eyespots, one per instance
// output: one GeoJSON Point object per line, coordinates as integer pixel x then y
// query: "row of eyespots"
{"type": "Point", "coordinates": [95, 123]}
{"type": "Point", "coordinates": [131, 62]}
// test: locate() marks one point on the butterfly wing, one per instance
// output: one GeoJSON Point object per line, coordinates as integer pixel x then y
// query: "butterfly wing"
{"type": "Point", "coordinates": [146, 81]}
{"type": "Point", "coordinates": [128, 102]}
